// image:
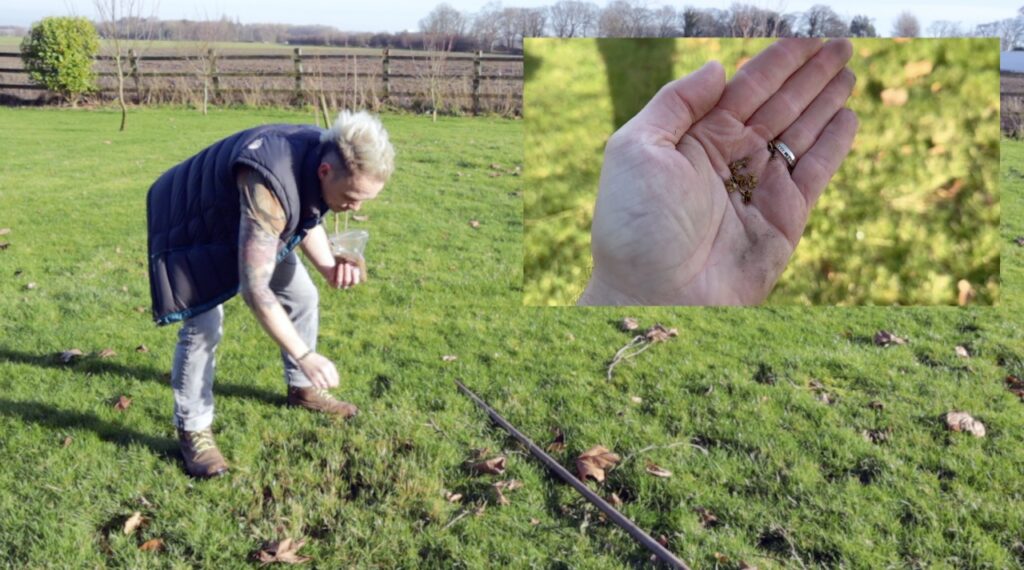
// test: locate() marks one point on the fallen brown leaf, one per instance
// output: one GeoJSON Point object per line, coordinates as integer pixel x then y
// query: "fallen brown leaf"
{"type": "Point", "coordinates": [107, 353]}
{"type": "Point", "coordinates": [495, 166]}
{"type": "Point", "coordinates": [140, 309]}
{"type": "Point", "coordinates": [134, 522]}
{"type": "Point", "coordinates": [360, 217]}
{"type": "Point", "coordinates": [152, 545]}
{"type": "Point", "coordinates": [70, 354]}
{"type": "Point", "coordinates": [4, 246]}
{"type": "Point", "coordinates": [629, 324]}
{"type": "Point", "coordinates": [707, 518]}
{"type": "Point", "coordinates": [449, 358]}
{"type": "Point", "coordinates": [501, 486]}
{"type": "Point", "coordinates": [962, 352]}
{"type": "Point", "coordinates": [453, 497]}
{"type": "Point", "coordinates": [962, 421]}
{"type": "Point", "coordinates": [917, 69]}
{"type": "Point", "coordinates": [493, 466]}
{"type": "Point", "coordinates": [614, 500]}
{"type": "Point", "coordinates": [4, 231]}
{"type": "Point", "coordinates": [593, 462]}
{"type": "Point", "coordinates": [876, 405]}
{"type": "Point", "coordinates": [479, 512]}
{"type": "Point", "coordinates": [877, 435]}
{"type": "Point", "coordinates": [636, 399]}
{"type": "Point", "coordinates": [534, 522]}
{"type": "Point", "coordinates": [558, 444]}
{"type": "Point", "coordinates": [474, 224]}
{"type": "Point", "coordinates": [122, 403]}
{"type": "Point", "coordinates": [886, 338]}
{"type": "Point", "coordinates": [895, 97]}
{"type": "Point", "coordinates": [653, 469]}
{"type": "Point", "coordinates": [142, 348]}
{"type": "Point", "coordinates": [285, 551]}
{"type": "Point", "coordinates": [1016, 386]}
{"type": "Point", "coordinates": [67, 441]}
{"type": "Point", "coordinates": [658, 333]}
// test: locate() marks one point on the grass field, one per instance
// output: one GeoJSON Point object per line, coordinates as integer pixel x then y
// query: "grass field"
{"type": "Point", "coordinates": [913, 210]}
{"type": "Point", "coordinates": [732, 407]}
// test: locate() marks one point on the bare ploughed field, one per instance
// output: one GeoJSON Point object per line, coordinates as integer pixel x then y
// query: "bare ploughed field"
{"type": "Point", "coordinates": [266, 75]}
{"type": "Point", "coordinates": [1011, 102]}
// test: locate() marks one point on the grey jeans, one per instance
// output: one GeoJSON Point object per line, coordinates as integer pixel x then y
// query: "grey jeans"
{"type": "Point", "coordinates": [194, 356]}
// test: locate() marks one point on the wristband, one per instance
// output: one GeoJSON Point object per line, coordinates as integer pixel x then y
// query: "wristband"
{"type": "Point", "coordinates": [308, 352]}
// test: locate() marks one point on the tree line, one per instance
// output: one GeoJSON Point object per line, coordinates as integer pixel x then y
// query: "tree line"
{"type": "Point", "coordinates": [495, 28]}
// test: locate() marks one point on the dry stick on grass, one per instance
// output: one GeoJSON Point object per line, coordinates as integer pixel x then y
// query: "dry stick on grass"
{"type": "Point", "coordinates": [653, 335]}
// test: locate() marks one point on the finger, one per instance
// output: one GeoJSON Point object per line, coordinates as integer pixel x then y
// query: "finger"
{"type": "Point", "coordinates": [678, 105]}
{"type": "Point", "coordinates": [800, 90]}
{"type": "Point", "coordinates": [348, 276]}
{"type": "Point", "coordinates": [336, 281]}
{"type": "Point", "coordinates": [816, 168]}
{"type": "Point", "coordinates": [800, 136]}
{"type": "Point", "coordinates": [332, 375]}
{"type": "Point", "coordinates": [762, 76]}
{"type": "Point", "coordinates": [357, 276]}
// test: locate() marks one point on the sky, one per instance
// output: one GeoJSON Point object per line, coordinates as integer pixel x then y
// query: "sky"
{"type": "Point", "coordinates": [398, 15]}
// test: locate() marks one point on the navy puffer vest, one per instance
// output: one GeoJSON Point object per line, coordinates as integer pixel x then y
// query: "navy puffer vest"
{"type": "Point", "coordinates": [193, 214]}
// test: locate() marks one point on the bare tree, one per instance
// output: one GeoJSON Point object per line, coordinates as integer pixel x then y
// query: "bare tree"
{"type": "Point", "coordinates": [906, 26]}
{"type": "Point", "coordinates": [573, 18]}
{"type": "Point", "coordinates": [532, 22]}
{"type": "Point", "coordinates": [697, 23]}
{"type": "Point", "coordinates": [487, 26]}
{"type": "Point", "coordinates": [946, 29]}
{"type": "Point", "coordinates": [1009, 32]}
{"type": "Point", "coordinates": [123, 24]}
{"type": "Point", "coordinates": [665, 22]}
{"type": "Point", "coordinates": [200, 54]}
{"type": "Point", "coordinates": [820, 21]}
{"type": "Point", "coordinates": [748, 21]}
{"type": "Point", "coordinates": [862, 27]}
{"type": "Point", "coordinates": [442, 26]}
{"type": "Point", "coordinates": [624, 19]}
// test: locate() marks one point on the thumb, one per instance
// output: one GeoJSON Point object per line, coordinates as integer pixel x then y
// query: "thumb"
{"type": "Point", "coordinates": [680, 104]}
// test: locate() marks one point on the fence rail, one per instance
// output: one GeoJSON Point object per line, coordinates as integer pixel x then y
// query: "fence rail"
{"type": "Point", "coordinates": [210, 67]}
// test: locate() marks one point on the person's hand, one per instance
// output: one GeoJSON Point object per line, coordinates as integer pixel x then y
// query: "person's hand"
{"type": "Point", "coordinates": [667, 231]}
{"type": "Point", "coordinates": [320, 370]}
{"type": "Point", "coordinates": [347, 274]}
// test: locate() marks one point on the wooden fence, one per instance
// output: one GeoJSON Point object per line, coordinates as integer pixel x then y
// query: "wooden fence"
{"type": "Point", "coordinates": [392, 76]}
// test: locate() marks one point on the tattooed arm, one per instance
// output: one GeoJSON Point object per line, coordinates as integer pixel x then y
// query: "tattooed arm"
{"type": "Point", "coordinates": [258, 239]}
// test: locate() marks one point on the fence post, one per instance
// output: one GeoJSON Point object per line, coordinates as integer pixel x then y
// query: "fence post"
{"type": "Point", "coordinates": [297, 58]}
{"type": "Point", "coordinates": [476, 82]}
{"type": "Point", "coordinates": [386, 65]}
{"type": "Point", "coordinates": [211, 58]}
{"type": "Point", "coordinates": [134, 59]}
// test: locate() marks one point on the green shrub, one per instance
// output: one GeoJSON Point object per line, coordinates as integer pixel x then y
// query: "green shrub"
{"type": "Point", "coordinates": [58, 53]}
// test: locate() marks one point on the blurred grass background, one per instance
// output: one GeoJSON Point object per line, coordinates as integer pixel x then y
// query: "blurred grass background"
{"type": "Point", "coordinates": [912, 212]}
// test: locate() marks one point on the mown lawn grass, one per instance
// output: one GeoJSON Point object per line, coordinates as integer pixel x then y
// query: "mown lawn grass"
{"type": "Point", "coordinates": [727, 406]}
{"type": "Point", "coordinates": [912, 212]}
{"type": "Point", "coordinates": [1011, 180]}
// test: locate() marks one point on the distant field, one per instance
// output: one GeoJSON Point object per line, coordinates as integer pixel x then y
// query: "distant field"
{"type": "Point", "coordinates": [353, 80]}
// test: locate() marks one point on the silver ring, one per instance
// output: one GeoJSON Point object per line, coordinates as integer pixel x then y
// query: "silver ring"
{"type": "Point", "coordinates": [785, 151]}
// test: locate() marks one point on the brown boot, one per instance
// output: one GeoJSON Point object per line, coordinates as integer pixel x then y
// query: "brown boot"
{"type": "Point", "coordinates": [319, 400]}
{"type": "Point", "coordinates": [202, 458]}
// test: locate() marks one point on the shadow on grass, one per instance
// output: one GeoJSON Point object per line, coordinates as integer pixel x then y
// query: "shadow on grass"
{"type": "Point", "coordinates": [636, 69]}
{"type": "Point", "coordinates": [57, 419]}
{"type": "Point", "coordinates": [94, 365]}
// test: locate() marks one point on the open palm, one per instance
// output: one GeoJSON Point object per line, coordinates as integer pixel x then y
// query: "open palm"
{"type": "Point", "coordinates": [667, 232]}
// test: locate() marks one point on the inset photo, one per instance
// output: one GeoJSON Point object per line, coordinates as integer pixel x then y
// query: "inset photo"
{"type": "Point", "coordinates": [728, 171]}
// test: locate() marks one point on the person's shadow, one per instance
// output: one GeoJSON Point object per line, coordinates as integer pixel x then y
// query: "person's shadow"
{"type": "Point", "coordinates": [636, 69]}
{"type": "Point", "coordinates": [59, 419]}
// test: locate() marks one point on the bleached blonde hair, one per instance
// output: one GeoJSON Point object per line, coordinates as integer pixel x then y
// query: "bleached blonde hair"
{"type": "Point", "coordinates": [364, 144]}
